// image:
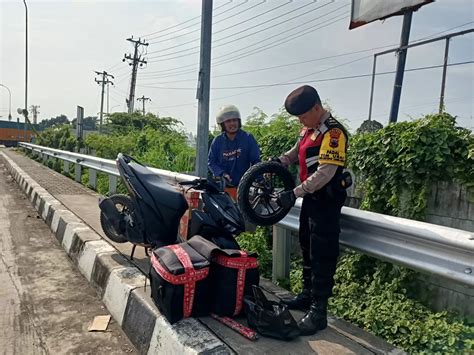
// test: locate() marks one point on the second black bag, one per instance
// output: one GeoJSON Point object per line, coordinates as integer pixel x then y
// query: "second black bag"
{"type": "Point", "coordinates": [270, 318]}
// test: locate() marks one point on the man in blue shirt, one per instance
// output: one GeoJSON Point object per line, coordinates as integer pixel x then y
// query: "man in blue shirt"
{"type": "Point", "coordinates": [233, 151]}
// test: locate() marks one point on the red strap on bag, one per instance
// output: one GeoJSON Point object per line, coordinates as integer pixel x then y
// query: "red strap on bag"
{"type": "Point", "coordinates": [188, 279]}
{"type": "Point", "coordinates": [241, 263]}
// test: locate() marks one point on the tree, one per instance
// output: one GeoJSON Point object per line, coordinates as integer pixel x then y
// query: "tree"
{"type": "Point", "coordinates": [56, 121]}
{"type": "Point", "coordinates": [88, 123]}
{"type": "Point", "coordinates": [369, 126]}
{"type": "Point", "coordinates": [121, 123]}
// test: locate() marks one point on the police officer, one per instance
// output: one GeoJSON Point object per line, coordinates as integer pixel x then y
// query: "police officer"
{"type": "Point", "coordinates": [321, 153]}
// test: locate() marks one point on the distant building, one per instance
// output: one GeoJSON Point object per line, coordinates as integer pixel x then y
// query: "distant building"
{"type": "Point", "coordinates": [13, 132]}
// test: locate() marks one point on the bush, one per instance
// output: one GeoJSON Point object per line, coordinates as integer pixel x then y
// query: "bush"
{"type": "Point", "coordinates": [374, 295]}
{"type": "Point", "coordinates": [259, 242]}
{"type": "Point", "coordinates": [398, 164]}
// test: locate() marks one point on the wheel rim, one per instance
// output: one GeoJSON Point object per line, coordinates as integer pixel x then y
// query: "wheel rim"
{"type": "Point", "coordinates": [263, 194]}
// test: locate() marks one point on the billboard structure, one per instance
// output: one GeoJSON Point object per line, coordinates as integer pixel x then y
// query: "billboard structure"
{"type": "Point", "coordinates": [366, 11]}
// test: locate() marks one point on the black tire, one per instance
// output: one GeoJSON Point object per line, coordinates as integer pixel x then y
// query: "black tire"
{"type": "Point", "coordinates": [124, 205]}
{"type": "Point", "coordinates": [256, 194]}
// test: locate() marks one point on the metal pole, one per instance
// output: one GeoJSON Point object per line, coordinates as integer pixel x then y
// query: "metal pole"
{"type": "Point", "coordinates": [25, 112]}
{"type": "Point", "coordinates": [402, 55]}
{"type": "Point", "coordinates": [372, 87]}
{"type": "Point", "coordinates": [9, 102]}
{"type": "Point", "coordinates": [131, 98]}
{"type": "Point", "coordinates": [443, 81]}
{"type": "Point", "coordinates": [203, 91]}
{"type": "Point", "coordinates": [18, 128]}
{"type": "Point", "coordinates": [102, 102]}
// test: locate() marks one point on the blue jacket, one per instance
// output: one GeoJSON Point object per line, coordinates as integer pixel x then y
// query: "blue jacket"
{"type": "Point", "coordinates": [233, 157]}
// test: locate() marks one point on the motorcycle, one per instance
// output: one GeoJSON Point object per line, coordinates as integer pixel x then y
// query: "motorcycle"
{"type": "Point", "coordinates": [150, 214]}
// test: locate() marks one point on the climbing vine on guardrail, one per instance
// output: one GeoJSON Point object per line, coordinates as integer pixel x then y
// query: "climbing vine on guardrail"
{"type": "Point", "coordinates": [398, 164]}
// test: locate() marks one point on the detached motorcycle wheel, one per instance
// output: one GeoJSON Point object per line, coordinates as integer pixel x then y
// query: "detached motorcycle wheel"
{"type": "Point", "coordinates": [258, 191]}
{"type": "Point", "coordinates": [125, 206]}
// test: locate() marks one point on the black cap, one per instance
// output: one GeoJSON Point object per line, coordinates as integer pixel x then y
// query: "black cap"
{"type": "Point", "coordinates": [302, 100]}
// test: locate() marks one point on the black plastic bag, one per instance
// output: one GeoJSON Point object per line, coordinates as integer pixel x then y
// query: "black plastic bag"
{"type": "Point", "coordinates": [270, 318]}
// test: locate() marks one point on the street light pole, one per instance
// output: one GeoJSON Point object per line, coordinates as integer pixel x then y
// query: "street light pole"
{"type": "Point", "coordinates": [26, 54]}
{"type": "Point", "coordinates": [25, 110]}
{"type": "Point", "coordinates": [9, 103]}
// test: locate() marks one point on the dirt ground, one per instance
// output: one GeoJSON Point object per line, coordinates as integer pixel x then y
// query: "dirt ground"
{"type": "Point", "coordinates": [46, 305]}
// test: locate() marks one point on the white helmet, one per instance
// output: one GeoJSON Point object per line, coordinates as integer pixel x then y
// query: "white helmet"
{"type": "Point", "coordinates": [227, 112]}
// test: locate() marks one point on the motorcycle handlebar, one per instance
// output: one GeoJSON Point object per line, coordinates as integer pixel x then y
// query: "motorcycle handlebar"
{"type": "Point", "coordinates": [192, 182]}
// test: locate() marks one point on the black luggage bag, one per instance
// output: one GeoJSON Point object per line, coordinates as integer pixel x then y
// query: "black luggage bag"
{"type": "Point", "coordinates": [233, 272]}
{"type": "Point", "coordinates": [179, 283]}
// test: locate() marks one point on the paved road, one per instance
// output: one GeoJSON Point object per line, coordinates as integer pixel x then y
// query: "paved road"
{"type": "Point", "coordinates": [45, 304]}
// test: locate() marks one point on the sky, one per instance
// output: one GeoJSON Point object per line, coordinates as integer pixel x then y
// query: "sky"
{"type": "Point", "coordinates": [262, 50]}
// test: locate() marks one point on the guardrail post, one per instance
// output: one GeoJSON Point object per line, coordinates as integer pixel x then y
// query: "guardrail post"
{"type": "Point", "coordinates": [77, 172]}
{"type": "Point", "coordinates": [93, 178]}
{"type": "Point", "coordinates": [281, 253]}
{"type": "Point", "coordinates": [66, 167]}
{"type": "Point", "coordinates": [45, 157]}
{"type": "Point", "coordinates": [112, 184]}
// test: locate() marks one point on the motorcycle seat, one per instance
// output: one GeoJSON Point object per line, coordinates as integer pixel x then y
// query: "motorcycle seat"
{"type": "Point", "coordinates": [162, 193]}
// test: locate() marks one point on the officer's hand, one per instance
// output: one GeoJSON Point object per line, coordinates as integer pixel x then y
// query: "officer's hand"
{"type": "Point", "coordinates": [286, 199]}
{"type": "Point", "coordinates": [275, 159]}
{"type": "Point", "coordinates": [227, 177]}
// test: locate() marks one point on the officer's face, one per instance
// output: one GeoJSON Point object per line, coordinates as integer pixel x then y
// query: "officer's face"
{"type": "Point", "coordinates": [312, 117]}
{"type": "Point", "coordinates": [232, 125]}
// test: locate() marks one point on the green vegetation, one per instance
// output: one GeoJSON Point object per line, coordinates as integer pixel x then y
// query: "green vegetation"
{"type": "Point", "coordinates": [398, 164]}
{"type": "Point", "coordinates": [395, 166]}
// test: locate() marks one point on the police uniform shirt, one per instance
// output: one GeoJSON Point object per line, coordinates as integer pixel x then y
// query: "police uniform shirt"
{"type": "Point", "coordinates": [321, 153]}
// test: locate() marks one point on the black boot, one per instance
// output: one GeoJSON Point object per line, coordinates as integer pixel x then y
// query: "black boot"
{"type": "Point", "coordinates": [316, 319]}
{"type": "Point", "coordinates": [301, 301]}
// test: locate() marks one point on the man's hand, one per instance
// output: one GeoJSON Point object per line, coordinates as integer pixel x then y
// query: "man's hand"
{"type": "Point", "coordinates": [286, 199]}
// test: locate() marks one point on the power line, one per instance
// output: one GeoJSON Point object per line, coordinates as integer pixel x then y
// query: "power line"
{"type": "Point", "coordinates": [180, 71]}
{"type": "Point", "coordinates": [310, 80]}
{"type": "Point", "coordinates": [452, 99]}
{"type": "Point", "coordinates": [245, 30]}
{"type": "Point", "coordinates": [269, 45]}
{"type": "Point", "coordinates": [239, 23]}
{"type": "Point", "coordinates": [182, 23]}
{"type": "Point", "coordinates": [281, 41]}
{"type": "Point", "coordinates": [278, 66]}
{"type": "Point", "coordinates": [184, 34]}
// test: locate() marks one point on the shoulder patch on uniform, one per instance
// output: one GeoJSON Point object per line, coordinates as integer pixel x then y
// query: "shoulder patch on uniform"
{"type": "Point", "coordinates": [335, 134]}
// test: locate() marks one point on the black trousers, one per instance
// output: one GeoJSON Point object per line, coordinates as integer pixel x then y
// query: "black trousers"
{"type": "Point", "coordinates": [319, 240]}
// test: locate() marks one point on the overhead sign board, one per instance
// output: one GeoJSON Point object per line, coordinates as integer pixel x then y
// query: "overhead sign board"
{"type": "Point", "coordinates": [365, 11]}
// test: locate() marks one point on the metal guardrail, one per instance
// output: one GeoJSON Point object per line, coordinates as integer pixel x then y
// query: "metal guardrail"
{"type": "Point", "coordinates": [429, 248]}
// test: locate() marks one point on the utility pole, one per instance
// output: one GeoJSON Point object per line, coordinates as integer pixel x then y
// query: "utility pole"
{"type": "Point", "coordinates": [143, 99]}
{"type": "Point", "coordinates": [203, 89]}
{"type": "Point", "coordinates": [134, 62]}
{"type": "Point", "coordinates": [35, 112]}
{"type": "Point", "coordinates": [443, 81]}
{"type": "Point", "coordinates": [105, 80]}
{"type": "Point", "coordinates": [402, 56]}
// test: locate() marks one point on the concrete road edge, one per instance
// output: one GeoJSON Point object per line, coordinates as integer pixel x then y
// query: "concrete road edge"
{"type": "Point", "coordinates": [119, 284]}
